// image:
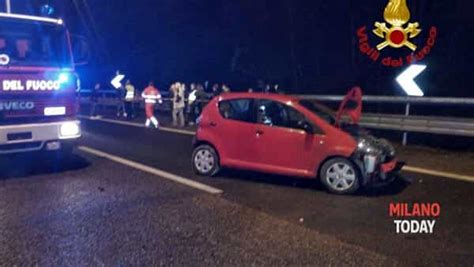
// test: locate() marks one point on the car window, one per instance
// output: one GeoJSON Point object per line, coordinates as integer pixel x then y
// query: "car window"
{"type": "Point", "coordinates": [236, 109]}
{"type": "Point", "coordinates": [270, 113]}
{"type": "Point", "coordinates": [294, 118]}
{"type": "Point", "coordinates": [319, 110]}
{"type": "Point", "coordinates": [273, 113]}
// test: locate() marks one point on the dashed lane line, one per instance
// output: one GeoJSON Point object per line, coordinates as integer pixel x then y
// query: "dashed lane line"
{"type": "Point", "coordinates": [455, 176]}
{"type": "Point", "coordinates": [154, 171]}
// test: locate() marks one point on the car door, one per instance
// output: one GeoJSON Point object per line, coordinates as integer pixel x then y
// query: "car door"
{"type": "Point", "coordinates": [282, 144]}
{"type": "Point", "coordinates": [236, 131]}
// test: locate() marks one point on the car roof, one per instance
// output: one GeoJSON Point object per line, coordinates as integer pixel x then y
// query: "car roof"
{"type": "Point", "coordinates": [269, 96]}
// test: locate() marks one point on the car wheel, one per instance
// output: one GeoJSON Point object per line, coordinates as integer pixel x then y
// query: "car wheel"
{"type": "Point", "coordinates": [205, 160]}
{"type": "Point", "coordinates": [340, 176]}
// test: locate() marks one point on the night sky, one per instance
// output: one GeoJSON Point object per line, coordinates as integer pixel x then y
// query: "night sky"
{"type": "Point", "coordinates": [306, 46]}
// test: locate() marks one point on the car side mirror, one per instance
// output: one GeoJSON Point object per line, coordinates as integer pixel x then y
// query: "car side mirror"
{"type": "Point", "coordinates": [80, 50]}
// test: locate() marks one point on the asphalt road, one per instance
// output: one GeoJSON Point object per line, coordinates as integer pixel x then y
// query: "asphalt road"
{"type": "Point", "coordinates": [92, 211]}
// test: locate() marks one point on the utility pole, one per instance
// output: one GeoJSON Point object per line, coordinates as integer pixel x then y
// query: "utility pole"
{"type": "Point", "coordinates": [8, 6]}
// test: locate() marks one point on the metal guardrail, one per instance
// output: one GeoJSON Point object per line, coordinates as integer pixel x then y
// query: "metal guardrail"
{"type": "Point", "coordinates": [420, 124]}
{"type": "Point", "coordinates": [395, 122]}
{"type": "Point", "coordinates": [408, 123]}
{"type": "Point", "coordinates": [397, 99]}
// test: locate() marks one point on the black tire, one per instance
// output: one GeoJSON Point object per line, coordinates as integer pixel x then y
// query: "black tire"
{"type": "Point", "coordinates": [205, 160]}
{"type": "Point", "coordinates": [341, 183]}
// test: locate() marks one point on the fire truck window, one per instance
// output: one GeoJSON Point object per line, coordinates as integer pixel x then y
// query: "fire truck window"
{"type": "Point", "coordinates": [22, 48]}
{"type": "Point", "coordinates": [3, 44]}
{"type": "Point", "coordinates": [34, 44]}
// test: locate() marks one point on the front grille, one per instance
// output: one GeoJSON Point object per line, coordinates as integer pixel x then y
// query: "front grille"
{"type": "Point", "coordinates": [21, 146]}
{"type": "Point", "coordinates": [33, 119]}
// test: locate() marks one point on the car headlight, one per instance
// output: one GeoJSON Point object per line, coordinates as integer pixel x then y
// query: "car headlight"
{"type": "Point", "coordinates": [388, 148]}
{"type": "Point", "coordinates": [69, 130]}
{"type": "Point", "coordinates": [366, 146]}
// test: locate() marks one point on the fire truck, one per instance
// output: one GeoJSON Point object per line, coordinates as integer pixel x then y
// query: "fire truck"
{"type": "Point", "coordinates": [37, 85]}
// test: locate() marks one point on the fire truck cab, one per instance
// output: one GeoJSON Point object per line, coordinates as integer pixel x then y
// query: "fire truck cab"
{"type": "Point", "coordinates": [38, 85]}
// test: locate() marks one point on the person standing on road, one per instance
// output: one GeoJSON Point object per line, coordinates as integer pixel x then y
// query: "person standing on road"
{"type": "Point", "coordinates": [151, 95]}
{"type": "Point", "coordinates": [225, 88]}
{"type": "Point", "coordinates": [199, 102]}
{"type": "Point", "coordinates": [120, 97]}
{"type": "Point", "coordinates": [178, 104]}
{"type": "Point", "coordinates": [94, 100]}
{"type": "Point", "coordinates": [129, 98]}
{"type": "Point", "coordinates": [216, 90]}
{"type": "Point", "coordinates": [189, 106]}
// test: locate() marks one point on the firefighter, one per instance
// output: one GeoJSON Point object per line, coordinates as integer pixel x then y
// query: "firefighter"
{"type": "Point", "coordinates": [151, 95]}
{"type": "Point", "coordinates": [129, 98]}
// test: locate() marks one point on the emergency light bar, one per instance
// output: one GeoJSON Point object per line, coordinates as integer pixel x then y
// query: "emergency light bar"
{"type": "Point", "coordinates": [32, 18]}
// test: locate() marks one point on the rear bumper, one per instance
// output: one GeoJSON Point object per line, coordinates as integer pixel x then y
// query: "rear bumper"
{"type": "Point", "coordinates": [35, 137]}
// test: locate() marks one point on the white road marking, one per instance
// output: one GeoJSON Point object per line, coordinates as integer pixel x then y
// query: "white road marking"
{"type": "Point", "coordinates": [419, 170]}
{"type": "Point", "coordinates": [139, 125]}
{"type": "Point", "coordinates": [154, 171]}
{"type": "Point", "coordinates": [455, 176]}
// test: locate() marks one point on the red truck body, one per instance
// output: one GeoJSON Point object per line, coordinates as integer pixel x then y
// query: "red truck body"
{"type": "Point", "coordinates": [38, 85]}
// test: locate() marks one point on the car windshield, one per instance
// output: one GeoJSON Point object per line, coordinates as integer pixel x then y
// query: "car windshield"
{"type": "Point", "coordinates": [29, 43]}
{"type": "Point", "coordinates": [320, 110]}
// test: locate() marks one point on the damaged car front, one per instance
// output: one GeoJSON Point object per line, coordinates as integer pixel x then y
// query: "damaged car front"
{"type": "Point", "coordinates": [376, 157]}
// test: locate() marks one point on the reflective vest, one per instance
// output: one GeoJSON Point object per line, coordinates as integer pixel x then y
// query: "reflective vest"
{"type": "Point", "coordinates": [151, 95]}
{"type": "Point", "coordinates": [130, 92]}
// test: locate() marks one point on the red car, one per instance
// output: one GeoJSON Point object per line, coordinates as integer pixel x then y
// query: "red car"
{"type": "Point", "coordinates": [285, 135]}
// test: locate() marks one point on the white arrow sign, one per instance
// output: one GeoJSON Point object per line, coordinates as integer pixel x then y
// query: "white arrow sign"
{"type": "Point", "coordinates": [407, 80]}
{"type": "Point", "coordinates": [116, 82]}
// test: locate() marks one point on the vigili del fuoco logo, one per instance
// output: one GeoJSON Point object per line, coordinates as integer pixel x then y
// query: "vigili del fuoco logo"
{"type": "Point", "coordinates": [397, 32]}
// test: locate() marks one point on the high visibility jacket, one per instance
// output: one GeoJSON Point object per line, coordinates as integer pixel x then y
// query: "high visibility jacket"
{"type": "Point", "coordinates": [130, 92]}
{"type": "Point", "coordinates": [151, 95]}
